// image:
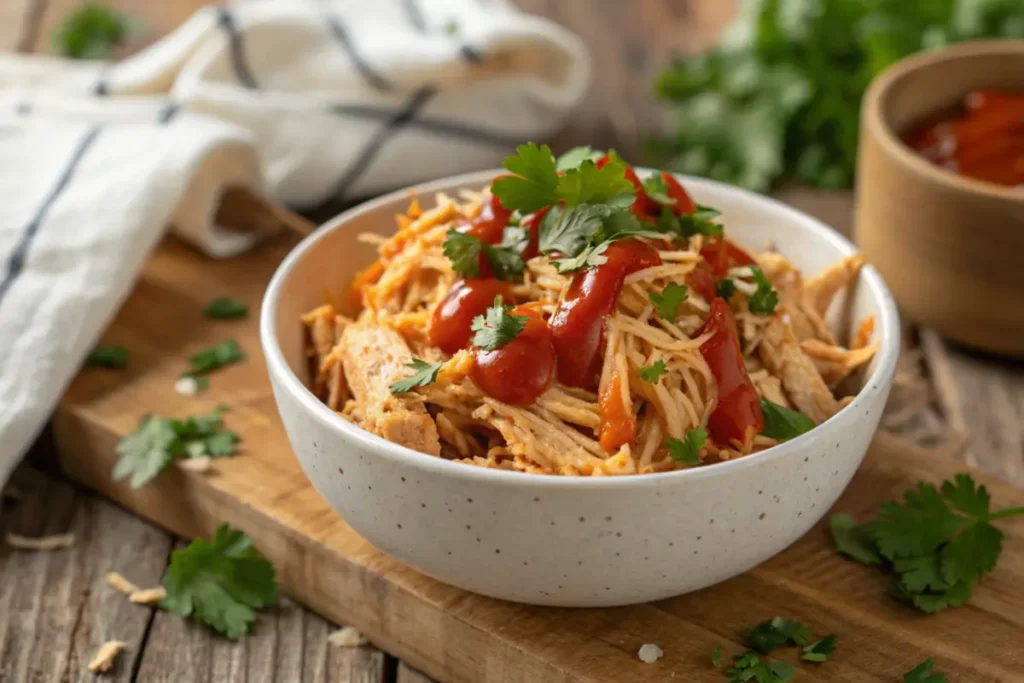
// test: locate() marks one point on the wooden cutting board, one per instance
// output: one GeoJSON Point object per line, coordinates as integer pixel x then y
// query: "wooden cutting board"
{"type": "Point", "coordinates": [460, 637]}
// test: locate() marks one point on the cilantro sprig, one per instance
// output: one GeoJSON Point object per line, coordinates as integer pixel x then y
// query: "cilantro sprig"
{"type": "Point", "coordinates": [820, 650]}
{"type": "Point", "coordinates": [215, 357]}
{"type": "Point", "coordinates": [687, 449]}
{"type": "Point", "coordinates": [775, 633]}
{"type": "Point", "coordinates": [93, 31]}
{"type": "Point", "coordinates": [424, 375]}
{"type": "Point", "coordinates": [158, 441]}
{"type": "Point", "coordinates": [749, 667]}
{"type": "Point", "coordinates": [939, 541]}
{"type": "Point", "coordinates": [497, 327]}
{"type": "Point", "coordinates": [226, 308]}
{"type": "Point", "coordinates": [765, 298]}
{"type": "Point", "coordinates": [923, 673]}
{"type": "Point", "coordinates": [782, 423]}
{"type": "Point", "coordinates": [221, 582]}
{"type": "Point", "coordinates": [725, 288]}
{"type": "Point", "coordinates": [464, 251]}
{"type": "Point", "coordinates": [668, 300]}
{"type": "Point", "coordinates": [108, 356]}
{"type": "Point", "coordinates": [652, 373]}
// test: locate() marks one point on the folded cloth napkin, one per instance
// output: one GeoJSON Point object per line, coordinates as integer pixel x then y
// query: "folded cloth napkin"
{"type": "Point", "coordinates": [304, 101]}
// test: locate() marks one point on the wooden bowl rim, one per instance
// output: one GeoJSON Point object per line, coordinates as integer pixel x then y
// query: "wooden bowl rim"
{"type": "Point", "coordinates": [897, 150]}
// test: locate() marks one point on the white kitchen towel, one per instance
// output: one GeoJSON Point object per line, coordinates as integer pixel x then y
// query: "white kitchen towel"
{"type": "Point", "coordinates": [306, 101]}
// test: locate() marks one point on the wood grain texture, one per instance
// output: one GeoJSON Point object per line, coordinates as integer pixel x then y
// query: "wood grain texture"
{"type": "Point", "coordinates": [452, 635]}
{"type": "Point", "coordinates": [19, 20]}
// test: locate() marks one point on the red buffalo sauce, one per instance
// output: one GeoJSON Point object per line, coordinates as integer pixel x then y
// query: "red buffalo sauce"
{"type": "Point", "coordinates": [578, 322]}
{"type": "Point", "coordinates": [983, 140]}
{"type": "Point", "coordinates": [520, 371]}
{"type": "Point", "coordinates": [737, 415]}
{"type": "Point", "coordinates": [450, 324]}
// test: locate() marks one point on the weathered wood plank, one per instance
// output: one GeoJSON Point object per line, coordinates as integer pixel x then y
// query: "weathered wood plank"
{"type": "Point", "coordinates": [407, 674]}
{"type": "Point", "coordinates": [287, 644]}
{"type": "Point", "coordinates": [55, 607]}
{"type": "Point", "coordinates": [19, 20]}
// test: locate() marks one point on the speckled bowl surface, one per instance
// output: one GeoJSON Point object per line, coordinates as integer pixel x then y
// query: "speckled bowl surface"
{"type": "Point", "coordinates": [594, 541]}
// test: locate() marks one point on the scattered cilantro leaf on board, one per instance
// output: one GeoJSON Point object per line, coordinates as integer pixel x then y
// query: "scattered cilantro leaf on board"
{"type": "Point", "coordinates": [820, 650]}
{"type": "Point", "coordinates": [687, 449]}
{"type": "Point", "coordinates": [776, 632]}
{"type": "Point", "coordinates": [497, 327]}
{"type": "Point", "coordinates": [215, 357]}
{"type": "Point", "coordinates": [939, 541]}
{"type": "Point", "coordinates": [464, 250]}
{"type": "Point", "coordinates": [716, 655]}
{"type": "Point", "coordinates": [923, 673]}
{"type": "Point", "coordinates": [93, 31]}
{"type": "Point", "coordinates": [534, 184]}
{"type": "Point", "coordinates": [425, 374]}
{"type": "Point", "coordinates": [221, 582]}
{"type": "Point", "coordinates": [725, 288]}
{"type": "Point", "coordinates": [749, 667]}
{"type": "Point", "coordinates": [154, 445]}
{"type": "Point", "coordinates": [576, 156]}
{"type": "Point", "coordinates": [765, 298]}
{"type": "Point", "coordinates": [226, 308]}
{"type": "Point", "coordinates": [653, 372]}
{"type": "Point", "coordinates": [108, 356]}
{"type": "Point", "coordinates": [668, 300]}
{"type": "Point", "coordinates": [782, 423]}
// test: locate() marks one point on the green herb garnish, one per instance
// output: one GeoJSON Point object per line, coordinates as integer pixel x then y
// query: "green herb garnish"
{"type": "Point", "coordinates": [93, 31]}
{"type": "Point", "coordinates": [725, 288]}
{"type": "Point", "coordinates": [221, 582]}
{"type": "Point", "coordinates": [226, 308]}
{"type": "Point", "coordinates": [497, 327]}
{"type": "Point", "coordinates": [783, 423]}
{"type": "Point", "coordinates": [667, 301]}
{"type": "Point", "coordinates": [464, 251]}
{"type": "Point", "coordinates": [425, 374]}
{"type": "Point", "coordinates": [716, 655]}
{"type": "Point", "coordinates": [820, 650]}
{"type": "Point", "coordinates": [687, 449]}
{"type": "Point", "coordinates": [776, 632]}
{"type": "Point", "coordinates": [215, 357]}
{"type": "Point", "coordinates": [765, 298]}
{"type": "Point", "coordinates": [104, 356]}
{"type": "Point", "coordinates": [748, 667]}
{"type": "Point", "coordinates": [923, 673]}
{"type": "Point", "coordinates": [653, 372]}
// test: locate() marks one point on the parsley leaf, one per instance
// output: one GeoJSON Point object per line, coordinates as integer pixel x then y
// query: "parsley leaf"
{"type": "Point", "coordinates": [853, 540]}
{"type": "Point", "coordinates": [701, 222]}
{"type": "Point", "coordinates": [725, 288]}
{"type": "Point", "coordinates": [653, 372]}
{"type": "Point", "coordinates": [668, 300]}
{"type": "Point", "coordinates": [221, 582]}
{"type": "Point", "coordinates": [687, 449]}
{"type": "Point", "coordinates": [226, 308]}
{"type": "Point", "coordinates": [749, 667]}
{"type": "Point", "coordinates": [569, 231]}
{"type": "Point", "coordinates": [498, 327]}
{"type": "Point", "coordinates": [103, 356]}
{"type": "Point", "coordinates": [776, 632]}
{"type": "Point", "coordinates": [765, 298]}
{"type": "Point", "coordinates": [656, 189]}
{"type": "Point", "coordinates": [464, 251]}
{"type": "Point", "coordinates": [923, 674]}
{"type": "Point", "coordinates": [215, 357]}
{"type": "Point", "coordinates": [716, 655]}
{"type": "Point", "coordinates": [535, 183]}
{"type": "Point", "coordinates": [92, 31]}
{"type": "Point", "coordinates": [576, 156]}
{"type": "Point", "coordinates": [820, 650]}
{"type": "Point", "coordinates": [426, 374]}
{"type": "Point", "coordinates": [589, 184]}
{"type": "Point", "coordinates": [151, 448]}
{"type": "Point", "coordinates": [783, 423]}
{"type": "Point", "coordinates": [938, 541]}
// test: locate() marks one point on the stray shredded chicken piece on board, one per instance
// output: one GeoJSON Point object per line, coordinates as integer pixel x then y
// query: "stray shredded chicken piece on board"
{"type": "Point", "coordinates": [54, 542]}
{"type": "Point", "coordinates": [347, 636]}
{"type": "Point", "coordinates": [649, 653]}
{"type": "Point", "coordinates": [148, 596]}
{"type": "Point", "coordinates": [106, 655]}
{"type": "Point", "coordinates": [121, 584]}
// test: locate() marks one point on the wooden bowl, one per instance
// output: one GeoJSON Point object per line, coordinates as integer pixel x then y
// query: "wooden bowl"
{"type": "Point", "coordinates": [950, 248]}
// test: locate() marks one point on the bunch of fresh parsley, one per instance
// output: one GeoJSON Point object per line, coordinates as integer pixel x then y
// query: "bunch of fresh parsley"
{"type": "Point", "coordinates": [780, 96]}
{"type": "Point", "coordinates": [151, 448]}
{"type": "Point", "coordinates": [92, 31]}
{"type": "Point", "coordinates": [939, 541]}
{"type": "Point", "coordinates": [221, 582]}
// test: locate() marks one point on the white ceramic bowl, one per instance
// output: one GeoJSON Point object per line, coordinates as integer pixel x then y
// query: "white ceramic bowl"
{"type": "Point", "coordinates": [589, 541]}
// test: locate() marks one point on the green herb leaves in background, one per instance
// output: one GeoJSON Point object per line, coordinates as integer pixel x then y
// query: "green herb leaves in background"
{"type": "Point", "coordinates": [151, 448]}
{"type": "Point", "coordinates": [425, 374]}
{"type": "Point", "coordinates": [226, 308]}
{"type": "Point", "coordinates": [215, 357]}
{"type": "Point", "coordinates": [780, 97]}
{"type": "Point", "coordinates": [221, 582]}
{"type": "Point", "coordinates": [92, 31]}
{"type": "Point", "coordinates": [939, 541]}
{"type": "Point", "coordinates": [104, 356]}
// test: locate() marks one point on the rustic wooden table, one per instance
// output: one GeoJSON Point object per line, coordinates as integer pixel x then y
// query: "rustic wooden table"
{"type": "Point", "coordinates": [53, 603]}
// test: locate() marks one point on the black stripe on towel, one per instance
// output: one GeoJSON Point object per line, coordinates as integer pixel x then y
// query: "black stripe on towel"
{"type": "Point", "coordinates": [16, 260]}
{"type": "Point", "coordinates": [102, 86]}
{"type": "Point", "coordinates": [412, 9]}
{"type": "Point", "coordinates": [471, 55]}
{"type": "Point", "coordinates": [168, 112]}
{"type": "Point", "coordinates": [432, 125]}
{"type": "Point", "coordinates": [397, 121]}
{"type": "Point", "coordinates": [369, 74]}
{"type": "Point", "coordinates": [238, 61]}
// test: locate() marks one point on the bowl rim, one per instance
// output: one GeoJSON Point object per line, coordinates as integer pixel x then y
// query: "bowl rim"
{"type": "Point", "coordinates": [881, 88]}
{"type": "Point", "coordinates": [286, 380]}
